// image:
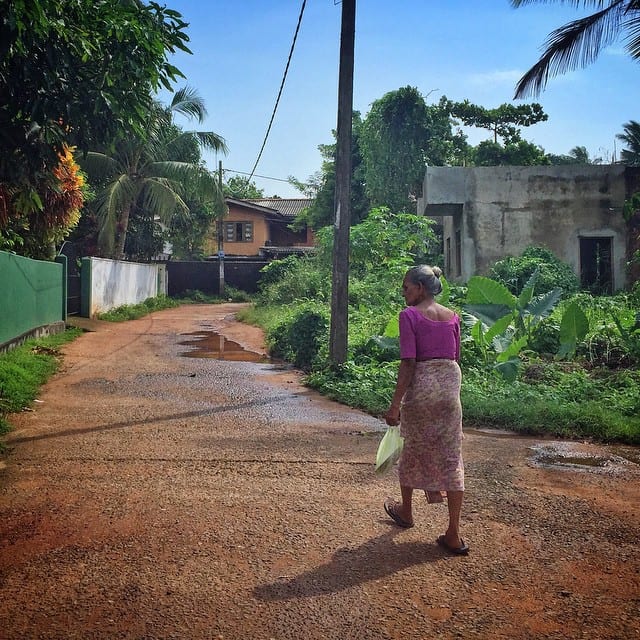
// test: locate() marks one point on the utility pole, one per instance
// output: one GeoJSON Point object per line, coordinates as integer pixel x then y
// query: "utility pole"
{"type": "Point", "coordinates": [220, 229]}
{"type": "Point", "coordinates": [342, 219]}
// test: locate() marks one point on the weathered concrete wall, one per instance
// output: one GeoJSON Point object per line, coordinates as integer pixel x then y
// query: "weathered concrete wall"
{"type": "Point", "coordinates": [107, 284]}
{"type": "Point", "coordinates": [506, 209]}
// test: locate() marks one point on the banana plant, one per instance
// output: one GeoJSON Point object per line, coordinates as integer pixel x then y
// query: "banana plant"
{"type": "Point", "coordinates": [502, 324]}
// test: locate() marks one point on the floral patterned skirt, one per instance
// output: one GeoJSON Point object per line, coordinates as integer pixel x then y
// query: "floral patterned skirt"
{"type": "Point", "coordinates": [431, 424]}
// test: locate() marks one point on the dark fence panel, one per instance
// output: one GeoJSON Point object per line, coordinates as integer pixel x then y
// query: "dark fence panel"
{"type": "Point", "coordinates": [70, 250]}
{"type": "Point", "coordinates": [240, 274]}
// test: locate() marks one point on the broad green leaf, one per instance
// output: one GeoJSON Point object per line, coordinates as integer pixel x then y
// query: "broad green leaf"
{"type": "Point", "coordinates": [509, 369]}
{"type": "Point", "coordinates": [481, 290]}
{"type": "Point", "coordinates": [499, 326]}
{"type": "Point", "coordinates": [477, 333]}
{"type": "Point", "coordinates": [392, 330]}
{"type": "Point", "coordinates": [513, 349]}
{"type": "Point", "coordinates": [444, 295]}
{"type": "Point", "coordinates": [488, 313]}
{"type": "Point", "coordinates": [573, 328]}
{"type": "Point", "coordinates": [541, 306]}
{"type": "Point", "coordinates": [527, 292]}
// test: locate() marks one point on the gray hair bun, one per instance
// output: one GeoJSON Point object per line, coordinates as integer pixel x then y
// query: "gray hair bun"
{"type": "Point", "coordinates": [428, 277]}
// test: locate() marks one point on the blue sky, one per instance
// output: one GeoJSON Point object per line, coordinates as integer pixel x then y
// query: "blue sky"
{"type": "Point", "coordinates": [474, 49]}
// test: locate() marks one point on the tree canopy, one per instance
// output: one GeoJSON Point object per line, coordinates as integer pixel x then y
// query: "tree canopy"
{"type": "Point", "coordinates": [153, 173]}
{"type": "Point", "coordinates": [79, 72]}
{"type": "Point", "coordinates": [503, 121]}
{"type": "Point", "coordinates": [399, 136]}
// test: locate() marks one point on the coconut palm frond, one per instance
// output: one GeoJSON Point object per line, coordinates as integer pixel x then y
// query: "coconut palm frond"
{"type": "Point", "coordinates": [211, 141]}
{"type": "Point", "coordinates": [632, 26]}
{"type": "Point", "coordinates": [99, 166]}
{"type": "Point", "coordinates": [631, 137]}
{"type": "Point", "coordinates": [160, 197]}
{"type": "Point", "coordinates": [203, 139]}
{"type": "Point", "coordinates": [188, 102]}
{"type": "Point", "coordinates": [176, 172]}
{"type": "Point", "coordinates": [574, 45]}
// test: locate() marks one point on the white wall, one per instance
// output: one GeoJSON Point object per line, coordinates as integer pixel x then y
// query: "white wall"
{"type": "Point", "coordinates": [113, 283]}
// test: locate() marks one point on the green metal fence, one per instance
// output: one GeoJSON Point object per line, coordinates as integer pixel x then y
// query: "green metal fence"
{"type": "Point", "coordinates": [31, 295]}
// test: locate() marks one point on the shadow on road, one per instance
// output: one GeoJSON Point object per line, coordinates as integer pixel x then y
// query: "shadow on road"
{"type": "Point", "coordinates": [376, 558]}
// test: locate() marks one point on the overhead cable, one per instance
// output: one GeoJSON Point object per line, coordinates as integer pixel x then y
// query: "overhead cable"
{"type": "Point", "coordinates": [284, 77]}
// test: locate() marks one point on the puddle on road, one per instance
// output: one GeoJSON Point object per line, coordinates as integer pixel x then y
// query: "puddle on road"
{"type": "Point", "coordinates": [569, 456]}
{"type": "Point", "coordinates": [211, 344]}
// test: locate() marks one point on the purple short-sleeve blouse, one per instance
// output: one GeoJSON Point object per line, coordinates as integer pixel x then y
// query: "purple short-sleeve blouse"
{"type": "Point", "coordinates": [422, 338]}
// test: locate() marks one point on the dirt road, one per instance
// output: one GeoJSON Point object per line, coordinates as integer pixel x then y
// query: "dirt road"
{"type": "Point", "coordinates": [152, 495]}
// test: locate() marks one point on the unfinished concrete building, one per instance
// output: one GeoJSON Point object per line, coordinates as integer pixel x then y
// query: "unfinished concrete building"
{"type": "Point", "coordinates": [488, 213]}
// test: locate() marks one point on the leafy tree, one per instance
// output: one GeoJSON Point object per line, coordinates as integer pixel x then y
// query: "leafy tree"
{"type": "Point", "coordinates": [242, 188]}
{"type": "Point", "coordinates": [514, 272]}
{"type": "Point", "coordinates": [322, 186]}
{"type": "Point", "coordinates": [631, 137]}
{"type": "Point", "coordinates": [503, 121]}
{"type": "Point", "coordinates": [141, 172]}
{"type": "Point", "coordinates": [521, 153]}
{"type": "Point", "coordinates": [399, 135]}
{"type": "Point", "coordinates": [581, 156]}
{"type": "Point", "coordinates": [578, 43]}
{"type": "Point", "coordinates": [62, 194]}
{"type": "Point", "coordinates": [577, 155]}
{"type": "Point", "coordinates": [186, 234]}
{"type": "Point", "coordinates": [78, 72]}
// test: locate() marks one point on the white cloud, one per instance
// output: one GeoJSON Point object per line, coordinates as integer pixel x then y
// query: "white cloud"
{"type": "Point", "coordinates": [496, 78]}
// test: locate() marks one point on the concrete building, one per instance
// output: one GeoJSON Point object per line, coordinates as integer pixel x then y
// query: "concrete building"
{"type": "Point", "coordinates": [575, 211]}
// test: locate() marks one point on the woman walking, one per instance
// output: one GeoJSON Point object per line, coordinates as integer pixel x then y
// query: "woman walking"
{"type": "Point", "coordinates": [426, 403]}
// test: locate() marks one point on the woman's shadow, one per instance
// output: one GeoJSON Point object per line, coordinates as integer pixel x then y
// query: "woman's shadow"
{"type": "Point", "coordinates": [349, 566]}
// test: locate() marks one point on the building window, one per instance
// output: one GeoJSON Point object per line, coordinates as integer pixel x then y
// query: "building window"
{"type": "Point", "coordinates": [238, 231]}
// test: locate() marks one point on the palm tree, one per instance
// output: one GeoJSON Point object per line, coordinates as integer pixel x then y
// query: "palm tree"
{"type": "Point", "coordinates": [631, 137]}
{"type": "Point", "coordinates": [153, 172]}
{"type": "Point", "coordinates": [581, 156]}
{"type": "Point", "coordinates": [578, 43]}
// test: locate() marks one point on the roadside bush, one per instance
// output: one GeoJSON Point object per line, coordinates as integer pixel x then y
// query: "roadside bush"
{"type": "Point", "coordinates": [293, 279]}
{"type": "Point", "coordinates": [135, 311]}
{"type": "Point", "coordinates": [301, 336]}
{"type": "Point", "coordinates": [514, 272]}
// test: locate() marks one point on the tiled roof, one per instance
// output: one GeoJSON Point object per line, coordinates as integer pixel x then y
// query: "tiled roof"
{"type": "Point", "coordinates": [288, 207]}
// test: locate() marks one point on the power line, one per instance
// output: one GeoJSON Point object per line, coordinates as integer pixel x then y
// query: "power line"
{"type": "Point", "coordinates": [284, 77]}
{"type": "Point", "coordinates": [245, 173]}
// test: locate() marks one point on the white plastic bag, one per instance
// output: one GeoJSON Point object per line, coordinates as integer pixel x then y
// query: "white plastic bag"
{"type": "Point", "coordinates": [389, 450]}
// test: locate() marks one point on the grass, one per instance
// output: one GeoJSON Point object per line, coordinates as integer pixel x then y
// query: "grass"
{"type": "Point", "coordinates": [134, 311]}
{"type": "Point", "coordinates": [25, 369]}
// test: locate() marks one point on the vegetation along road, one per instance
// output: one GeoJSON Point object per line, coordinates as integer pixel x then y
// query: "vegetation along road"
{"type": "Point", "coordinates": [153, 495]}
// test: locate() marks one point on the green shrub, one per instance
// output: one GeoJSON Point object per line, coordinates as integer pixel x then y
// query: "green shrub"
{"type": "Point", "coordinates": [135, 311]}
{"type": "Point", "coordinates": [296, 279]}
{"type": "Point", "coordinates": [301, 336]}
{"type": "Point", "coordinates": [514, 272]}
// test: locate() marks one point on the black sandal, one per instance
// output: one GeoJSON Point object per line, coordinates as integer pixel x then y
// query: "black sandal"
{"type": "Point", "coordinates": [390, 508]}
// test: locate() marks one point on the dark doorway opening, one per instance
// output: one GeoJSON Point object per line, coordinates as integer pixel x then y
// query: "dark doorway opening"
{"type": "Point", "coordinates": [596, 265]}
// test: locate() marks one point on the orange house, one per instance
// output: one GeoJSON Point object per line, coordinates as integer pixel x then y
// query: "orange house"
{"type": "Point", "coordinates": [261, 228]}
